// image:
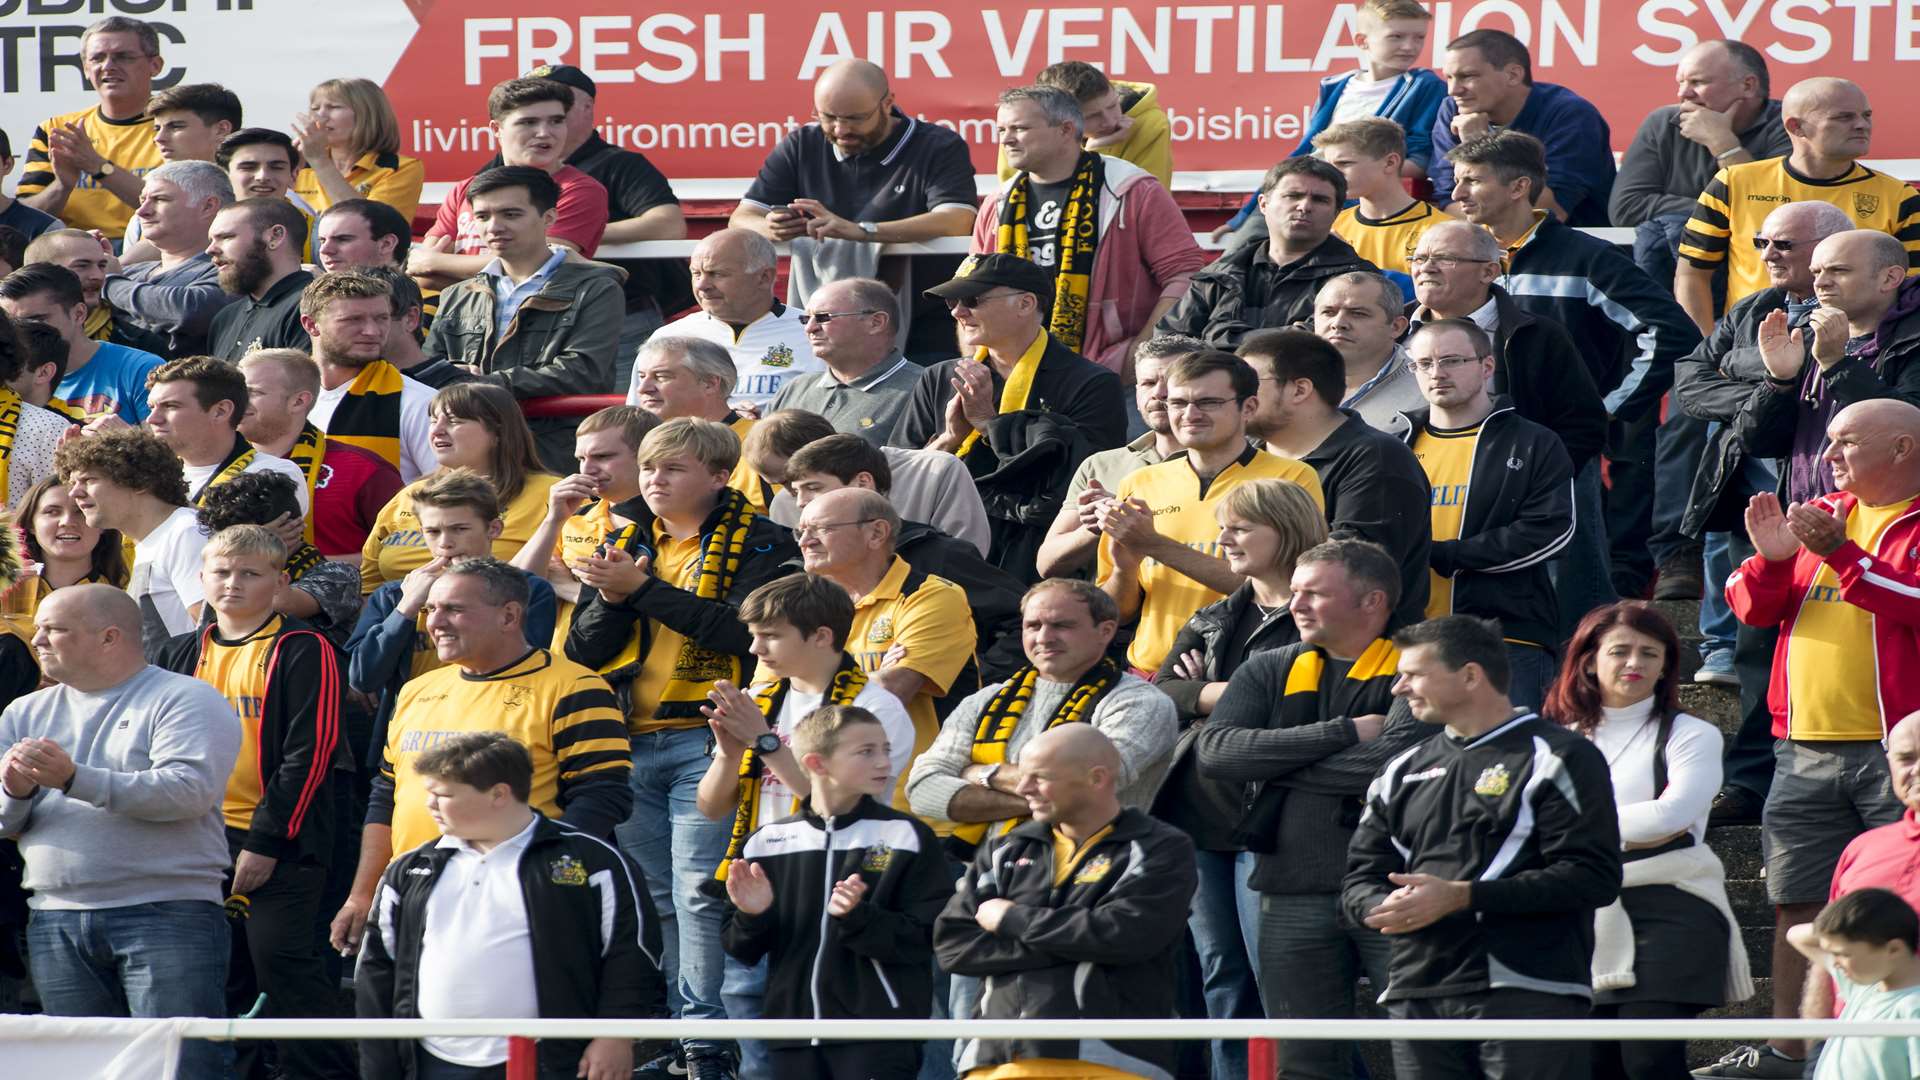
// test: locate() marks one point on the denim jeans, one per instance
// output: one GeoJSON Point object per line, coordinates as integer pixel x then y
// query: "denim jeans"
{"type": "Point", "coordinates": [678, 849]}
{"type": "Point", "coordinates": [167, 958]}
{"type": "Point", "coordinates": [1530, 673]}
{"type": "Point", "coordinates": [743, 993]}
{"type": "Point", "coordinates": [1225, 922]}
{"type": "Point", "coordinates": [1717, 624]}
{"type": "Point", "coordinates": [1312, 958]}
{"type": "Point", "coordinates": [1582, 574]}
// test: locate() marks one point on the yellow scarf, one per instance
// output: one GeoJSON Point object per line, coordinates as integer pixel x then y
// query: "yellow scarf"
{"type": "Point", "coordinates": [309, 450]}
{"type": "Point", "coordinates": [99, 325]}
{"type": "Point", "coordinates": [1003, 712]}
{"type": "Point", "coordinates": [71, 412]}
{"type": "Point", "coordinates": [10, 409]}
{"type": "Point", "coordinates": [369, 415]}
{"type": "Point", "coordinates": [847, 684]}
{"type": "Point", "coordinates": [1013, 396]}
{"type": "Point", "coordinates": [1079, 232]}
{"type": "Point", "coordinates": [236, 463]}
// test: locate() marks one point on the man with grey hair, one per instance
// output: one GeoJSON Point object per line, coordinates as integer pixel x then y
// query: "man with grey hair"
{"type": "Point", "coordinates": [1140, 253]}
{"type": "Point", "coordinates": [177, 295]}
{"type": "Point", "coordinates": [1360, 315]}
{"type": "Point", "coordinates": [1718, 383]}
{"type": "Point", "coordinates": [85, 167]}
{"type": "Point", "coordinates": [733, 275]}
{"type": "Point", "coordinates": [113, 778]}
{"type": "Point", "coordinates": [863, 387]}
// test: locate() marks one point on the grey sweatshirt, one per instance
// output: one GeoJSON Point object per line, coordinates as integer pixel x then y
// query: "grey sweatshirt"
{"type": "Point", "coordinates": [141, 822]}
{"type": "Point", "coordinates": [178, 301]}
{"type": "Point", "coordinates": [1140, 720]}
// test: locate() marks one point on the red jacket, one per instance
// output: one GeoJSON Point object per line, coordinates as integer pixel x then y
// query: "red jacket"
{"type": "Point", "coordinates": [1885, 584]}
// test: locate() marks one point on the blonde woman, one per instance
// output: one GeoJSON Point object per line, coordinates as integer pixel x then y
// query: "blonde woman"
{"type": "Point", "coordinates": [350, 138]}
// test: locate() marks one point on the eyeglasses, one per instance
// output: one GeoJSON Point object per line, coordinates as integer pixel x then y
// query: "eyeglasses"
{"type": "Point", "coordinates": [803, 532]}
{"type": "Point", "coordinates": [808, 318]}
{"type": "Point", "coordinates": [1762, 243]}
{"type": "Point", "coordinates": [1204, 404]}
{"type": "Point", "coordinates": [837, 120]}
{"type": "Point", "coordinates": [1444, 262]}
{"type": "Point", "coordinates": [123, 58]}
{"type": "Point", "coordinates": [1428, 367]}
{"type": "Point", "coordinates": [956, 305]}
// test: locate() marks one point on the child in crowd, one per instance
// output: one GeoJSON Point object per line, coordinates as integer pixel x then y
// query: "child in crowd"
{"type": "Point", "coordinates": [841, 899]}
{"type": "Point", "coordinates": [1866, 941]}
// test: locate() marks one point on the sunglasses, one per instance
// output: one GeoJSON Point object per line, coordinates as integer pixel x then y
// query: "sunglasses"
{"type": "Point", "coordinates": [808, 318]}
{"type": "Point", "coordinates": [1762, 243]}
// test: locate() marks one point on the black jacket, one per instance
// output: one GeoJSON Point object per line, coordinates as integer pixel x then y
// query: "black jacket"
{"type": "Point", "coordinates": [591, 929]}
{"type": "Point", "coordinates": [300, 741]}
{"type": "Point", "coordinates": [1720, 381]}
{"type": "Point", "coordinates": [1024, 460]}
{"type": "Point", "coordinates": [601, 630]}
{"type": "Point", "coordinates": [1540, 370]}
{"type": "Point", "coordinates": [993, 593]}
{"type": "Point", "coordinates": [1310, 776]}
{"type": "Point", "coordinates": [1103, 944]}
{"type": "Point", "coordinates": [869, 964]}
{"type": "Point", "coordinates": [1376, 491]}
{"type": "Point", "coordinates": [1245, 290]}
{"type": "Point", "coordinates": [1525, 812]}
{"type": "Point", "coordinates": [1519, 514]}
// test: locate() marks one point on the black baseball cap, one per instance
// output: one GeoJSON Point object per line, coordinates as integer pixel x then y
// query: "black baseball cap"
{"type": "Point", "coordinates": [979, 274]}
{"type": "Point", "coordinates": [565, 75]}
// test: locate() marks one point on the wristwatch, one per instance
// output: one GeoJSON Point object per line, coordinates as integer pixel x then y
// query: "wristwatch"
{"type": "Point", "coordinates": [107, 168]}
{"type": "Point", "coordinates": [767, 744]}
{"type": "Point", "coordinates": [986, 775]}
{"type": "Point", "coordinates": [871, 229]}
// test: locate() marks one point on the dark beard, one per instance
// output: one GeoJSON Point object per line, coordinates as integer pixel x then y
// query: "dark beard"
{"type": "Point", "coordinates": [245, 275]}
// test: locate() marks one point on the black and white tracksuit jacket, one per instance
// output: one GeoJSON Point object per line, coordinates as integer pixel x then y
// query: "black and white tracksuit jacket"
{"type": "Point", "coordinates": [872, 962]}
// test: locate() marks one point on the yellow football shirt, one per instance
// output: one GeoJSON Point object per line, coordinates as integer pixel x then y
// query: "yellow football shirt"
{"type": "Point", "coordinates": [744, 478]}
{"type": "Point", "coordinates": [675, 563]}
{"type": "Point", "coordinates": [1388, 242]}
{"type": "Point", "coordinates": [933, 624]}
{"type": "Point", "coordinates": [387, 178]}
{"type": "Point", "coordinates": [1183, 511]}
{"type": "Point", "coordinates": [1833, 674]}
{"type": "Point", "coordinates": [395, 547]}
{"type": "Point", "coordinates": [580, 536]}
{"type": "Point", "coordinates": [239, 672]}
{"type": "Point", "coordinates": [91, 205]}
{"type": "Point", "coordinates": [562, 713]}
{"type": "Point", "coordinates": [1729, 213]}
{"type": "Point", "coordinates": [1447, 456]}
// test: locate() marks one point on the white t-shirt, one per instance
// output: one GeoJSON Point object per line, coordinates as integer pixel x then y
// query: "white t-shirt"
{"type": "Point", "coordinates": [777, 799]}
{"type": "Point", "coordinates": [31, 459]}
{"type": "Point", "coordinates": [1360, 97]}
{"type": "Point", "coordinates": [198, 475]}
{"type": "Point", "coordinates": [476, 955]}
{"type": "Point", "coordinates": [771, 350]}
{"type": "Point", "coordinates": [416, 446]}
{"type": "Point", "coordinates": [166, 576]}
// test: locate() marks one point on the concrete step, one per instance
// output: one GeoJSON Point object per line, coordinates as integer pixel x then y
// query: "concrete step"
{"type": "Point", "coordinates": [1739, 849]}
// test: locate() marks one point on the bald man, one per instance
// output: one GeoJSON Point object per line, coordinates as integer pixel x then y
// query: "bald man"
{"type": "Point", "coordinates": [113, 779]}
{"type": "Point", "coordinates": [1839, 575]}
{"type": "Point", "coordinates": [1724, 116]}
{"type": "Point", "coordinates": [1830, 126]}
{"type": "Point", "coordinates": [867, 174]}
{"type": "Point", "coordinates": [733, 277]}
{"type": "Point", "coordinates": [1080, 909]}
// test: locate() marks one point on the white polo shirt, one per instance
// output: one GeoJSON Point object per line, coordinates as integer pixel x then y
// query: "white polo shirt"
{"type": "Point", "coordinates": [768, 352]}
{"type": "Point", "coordinates": [476, 960]}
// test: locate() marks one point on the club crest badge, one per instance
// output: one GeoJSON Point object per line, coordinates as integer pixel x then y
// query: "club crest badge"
{"type": "Point", "coordinates": [1093, 870]}
{"type": "Point", "coordinates": [1494, 781]}
{"type": "Point", "coordinates": [881, 632]}
{"type": "Point", "coordinates": [778, 356]}
{"type": "Point", "coordinates": [567, 870]}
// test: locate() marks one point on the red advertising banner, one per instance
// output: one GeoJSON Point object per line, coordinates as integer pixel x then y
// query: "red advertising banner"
{"type": "Point", "coordinates": [705, 91]}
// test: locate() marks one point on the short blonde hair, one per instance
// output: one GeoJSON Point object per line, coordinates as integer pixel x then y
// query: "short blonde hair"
{"type": "Point", "coordinates": [247, 540]}
{"type": "Point", "coordinates": [820, 731]}
{"type": "Point", "coordinates": [709, 442]}
{"type": "Point", "coordinates": [1382, 11]}
{"type": "Point", "coordinates": [296, 367]}
{"type": "Point", "coordinates": [375, 127]}
{"type": "Point", "coordinates": [1283, 506]}
{"type": "Point", "coordinates": [1374, 136]}
{"type": "Point", "coordinates": [456, 488]}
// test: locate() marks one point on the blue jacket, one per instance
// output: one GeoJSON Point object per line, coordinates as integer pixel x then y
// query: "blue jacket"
{"type": "Point", "coordinates": [1415, 97]}
{"type": "Point", "coordinates": [1579, 150]}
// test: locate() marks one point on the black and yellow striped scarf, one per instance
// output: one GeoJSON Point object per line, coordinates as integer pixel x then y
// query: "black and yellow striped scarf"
{"type": "Point", "coordinates": [848, 682]}
{"type": "Point", "coordinates": [238, 459]}
{"type": "Point", "coordinates": [1079, 233]}
{"type": "Point", "coordinates": [309, 451]}
{"type": "Point", "coordinates": [1003, 712]}
{"type": "Point", "coordinates": [10, 409]}
{"type": "Point", "coordinates": [369, 415]}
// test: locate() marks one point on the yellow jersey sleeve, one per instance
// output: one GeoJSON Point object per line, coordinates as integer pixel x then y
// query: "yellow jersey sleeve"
{"type": "Point", "coordinates": [935, 626]}
{"type": "Point", "coordinates": [1709, 231]}
{"type": "Point", "coordinates": [589, 732]}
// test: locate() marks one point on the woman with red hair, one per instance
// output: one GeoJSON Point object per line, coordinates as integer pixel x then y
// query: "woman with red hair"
{"type": "Point", "coordinates": [1669, 947]}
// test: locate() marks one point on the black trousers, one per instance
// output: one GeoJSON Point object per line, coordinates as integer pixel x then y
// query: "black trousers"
{"type": "Point", "coordinates": [277, 951]}
{"type": "Point", "coordinates": [1492, 1059]}
{"type": "Point", "coordinates": [1648, 1060]}
{"type": "Point", "coordinates": [428, 1067]}
{"type": "Point", "coordinates": [847, 1061]}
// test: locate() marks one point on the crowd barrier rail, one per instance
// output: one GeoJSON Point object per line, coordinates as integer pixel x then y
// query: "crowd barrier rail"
{"type": "Point", "coordinates": [945, 245]}
{"type": "Point", "coordinates": [1260, 1034]}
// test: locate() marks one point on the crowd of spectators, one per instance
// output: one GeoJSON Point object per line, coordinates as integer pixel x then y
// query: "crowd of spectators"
{"type": "Point", "coordinates": [1101, 626]}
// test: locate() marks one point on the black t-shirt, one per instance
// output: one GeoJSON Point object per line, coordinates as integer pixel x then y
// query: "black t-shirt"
{"type": "Point", "coordinates": [1049, 202]}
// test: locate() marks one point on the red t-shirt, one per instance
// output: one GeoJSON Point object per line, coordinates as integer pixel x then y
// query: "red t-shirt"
{"type": "Point", "coordinates": [354, 484]}
{"type": "Point", "coordinates": [1884, 858]}
{"type": "Point", "coordinates": [580, 217]}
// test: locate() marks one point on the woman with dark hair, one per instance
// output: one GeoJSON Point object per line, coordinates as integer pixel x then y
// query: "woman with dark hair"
{"type": "Point", "coordinates": [323, 593]}
{"type": "Point", "coordinates": [60, 549]}
{"type": "Point", "coordinates": [1670, 947]}
{"type": "Point", "coordinates": [475, 426]}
